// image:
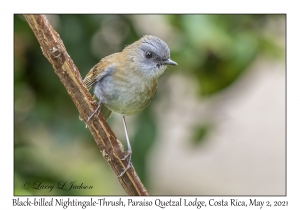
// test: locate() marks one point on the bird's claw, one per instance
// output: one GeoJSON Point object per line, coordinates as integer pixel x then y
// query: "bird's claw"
{"type": "Point", "coordinates": [97, 110]}
{"type": "Point", "coordinates": [128, 155]}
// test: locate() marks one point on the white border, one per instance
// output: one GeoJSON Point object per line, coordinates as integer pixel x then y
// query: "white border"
{"type": "Point", "coordinates": [154, 6]}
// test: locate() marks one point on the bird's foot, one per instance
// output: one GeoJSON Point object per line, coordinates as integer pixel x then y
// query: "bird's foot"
{"type": "Point", "coordinates": [129, 164]}
{"type": "Point", "coordinates": [96, 111]}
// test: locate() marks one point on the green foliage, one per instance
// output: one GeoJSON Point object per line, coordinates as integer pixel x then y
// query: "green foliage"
{"type": "Point", "coordinates": [222, 47]}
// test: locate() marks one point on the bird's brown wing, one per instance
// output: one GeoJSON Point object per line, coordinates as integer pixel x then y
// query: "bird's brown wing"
{"type": "Point", "coordinates": [100, 70]}
{"type": "Point", "coordinates": [90, 78]}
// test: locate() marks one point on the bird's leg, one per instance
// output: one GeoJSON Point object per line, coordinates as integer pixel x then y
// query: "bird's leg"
{"type": "Point", "coordinates": [96, 111]}
{"type": "Point", "coordinates": [129, 151]}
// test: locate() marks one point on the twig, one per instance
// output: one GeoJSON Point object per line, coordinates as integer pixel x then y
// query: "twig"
{"type": "Point", "coordinates": [110, 147]}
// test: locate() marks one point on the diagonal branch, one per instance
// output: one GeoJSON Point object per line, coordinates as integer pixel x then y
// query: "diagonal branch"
{"type": "Point", "coordinates": [110, 147]}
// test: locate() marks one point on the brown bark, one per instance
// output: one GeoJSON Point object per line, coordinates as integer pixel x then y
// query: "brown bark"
{"type": "Point", "coordinates": [110, 147]}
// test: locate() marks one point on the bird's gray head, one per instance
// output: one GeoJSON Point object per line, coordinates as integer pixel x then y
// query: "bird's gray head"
{"type": "Point", "coordinates": [151, 54]}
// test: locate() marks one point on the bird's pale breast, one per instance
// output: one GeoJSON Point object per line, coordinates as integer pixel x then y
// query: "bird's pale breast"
{"type": "Point", "coordinates": [124, 94]}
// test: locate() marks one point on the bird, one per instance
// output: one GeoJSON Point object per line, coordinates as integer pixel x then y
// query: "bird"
{"type": "Point", "coordinates": [126, 81]}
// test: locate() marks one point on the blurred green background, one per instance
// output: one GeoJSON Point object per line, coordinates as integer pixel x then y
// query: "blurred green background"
{"type": "Point", "coordinates": [51, 144]}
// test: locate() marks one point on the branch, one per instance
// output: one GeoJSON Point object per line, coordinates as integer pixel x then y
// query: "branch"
{"type": "Point", "coordinates": [110, 147]}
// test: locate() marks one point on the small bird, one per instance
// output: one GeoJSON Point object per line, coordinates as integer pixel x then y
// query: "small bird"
{"type": "Point", "coordinates": [125, 82]}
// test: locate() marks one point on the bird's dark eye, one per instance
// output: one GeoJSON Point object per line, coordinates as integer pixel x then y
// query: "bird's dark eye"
{"type": "Point", "coordinates": [148, 55]}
